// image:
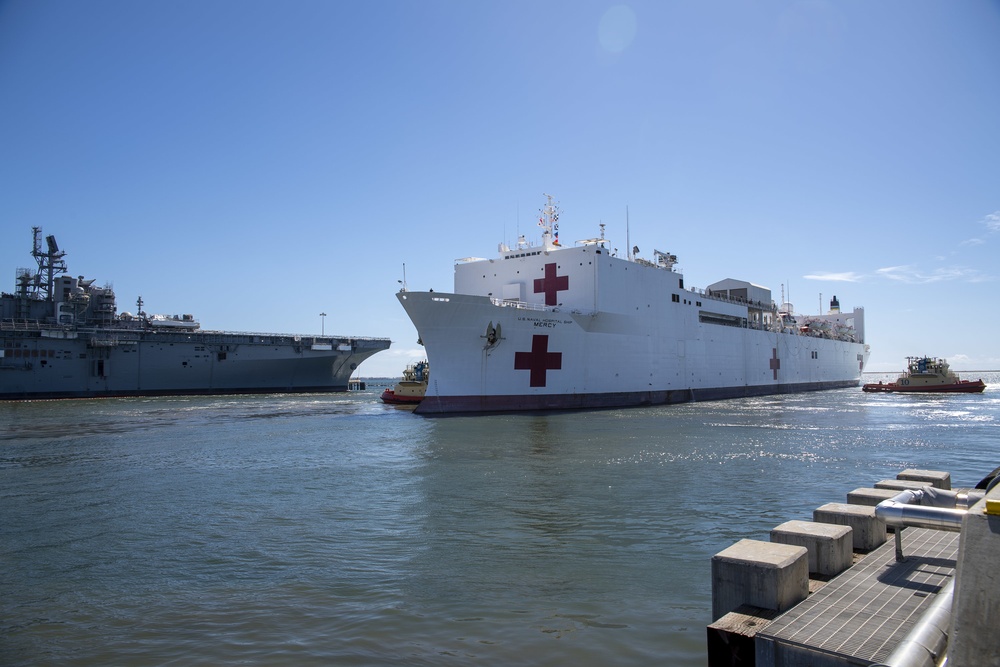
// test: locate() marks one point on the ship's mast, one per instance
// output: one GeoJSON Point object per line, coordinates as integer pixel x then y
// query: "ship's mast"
{"type": "Point", "coordinates": [549, 222]}
{"type": "Point", "coordinates": [628, 237]}
{"type": "Point", "coordinates": [50, 262]}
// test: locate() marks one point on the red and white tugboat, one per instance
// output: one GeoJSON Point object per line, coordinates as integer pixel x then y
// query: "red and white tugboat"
{"type": "Point", "coordinates": [411, 389]}
{"type": "Point", "coordinates": [928, 374]}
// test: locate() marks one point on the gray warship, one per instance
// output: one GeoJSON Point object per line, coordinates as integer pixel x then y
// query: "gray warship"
{"type": "Point", "coordinates": [63, 337]}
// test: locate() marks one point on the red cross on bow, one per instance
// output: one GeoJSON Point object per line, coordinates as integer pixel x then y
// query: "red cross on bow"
{"type": "Point", "coordinates": [551, 284]}
{"type": "Point", "coordinates": [538, 361]}
{"type": "Point", "coordinates": [775, 362]}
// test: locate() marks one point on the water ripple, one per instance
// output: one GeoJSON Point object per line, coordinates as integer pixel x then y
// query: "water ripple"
{"type": "Point", "coordinates": [316, 530]}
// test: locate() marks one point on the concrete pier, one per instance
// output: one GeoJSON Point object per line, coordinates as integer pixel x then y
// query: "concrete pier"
{"type": "Point", "coordinates": [900, 484]}
{"type": "Point", "coordinates": [868, 612]}
{"type": "Point", "coordinates": [830, 547]}
{"type": "Point", "coordinates": [936, 478]}
{"type": "Point", "coordinates": [976, 609]}
{"type": "Point", "coordinates": [860, 616]}
{"type": "Point", "coordinates": [869, 531]}
{"type": "Point", "coordinates": [869, 496]}
{"type": "Point", "coordinates": [762, 574]}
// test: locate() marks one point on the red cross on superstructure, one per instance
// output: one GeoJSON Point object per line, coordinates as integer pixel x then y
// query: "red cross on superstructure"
{"type": "Point", "coordinates": [775, 362]}
{"type": "Point", "coordinates": [551, 284]}
{"type": "Point", "coordinates": [538, 361]}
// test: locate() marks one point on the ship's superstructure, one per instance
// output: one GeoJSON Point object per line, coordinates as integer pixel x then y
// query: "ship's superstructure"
{"type": "Point", "coordinates": [62, 337]}
{"type": "Point", "coordinates": [551, 327]}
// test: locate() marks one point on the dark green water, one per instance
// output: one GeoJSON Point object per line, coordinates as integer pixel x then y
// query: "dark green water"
{"type": "Point", "coordinates": [319, 530]}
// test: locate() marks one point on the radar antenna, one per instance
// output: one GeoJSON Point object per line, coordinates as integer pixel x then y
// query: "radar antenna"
{"type": "Point", "coordinates": [665, 259]}
{"type": "Point", "coordinates": [50, 262]}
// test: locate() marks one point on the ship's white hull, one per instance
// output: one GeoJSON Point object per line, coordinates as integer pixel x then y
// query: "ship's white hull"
{"type": "Point", "coordinates": [553, 327]}
{"type": "Point", "coordinates": [560, 359]}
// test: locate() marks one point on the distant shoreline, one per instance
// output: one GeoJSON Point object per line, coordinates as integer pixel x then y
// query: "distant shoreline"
{"type": "Point", "coordinates": [881, 372]}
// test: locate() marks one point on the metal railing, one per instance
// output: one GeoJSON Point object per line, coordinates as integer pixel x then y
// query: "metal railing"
{"type": "Point", "coordinates": [927, 642]}
{"type": "Point", "coordinates": [118, 329]}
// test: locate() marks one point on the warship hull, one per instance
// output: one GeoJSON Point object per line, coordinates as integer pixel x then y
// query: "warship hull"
{"type": "Point", "coordinates": [87, 364]}
{"type": "Point", "coordinates": [62, 337]}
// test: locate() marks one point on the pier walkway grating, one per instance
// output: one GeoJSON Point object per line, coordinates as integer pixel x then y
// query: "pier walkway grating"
{"type": "Point", "coordinates": [860, 616]}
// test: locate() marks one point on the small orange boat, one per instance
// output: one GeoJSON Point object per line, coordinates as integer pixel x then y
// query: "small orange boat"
{"type": "Point", "coordinates": [411, 389]}
{"type": "Point", "coordinates": [928, 375]}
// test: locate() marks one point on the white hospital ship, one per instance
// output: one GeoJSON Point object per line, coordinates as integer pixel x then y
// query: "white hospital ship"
{"type": "Point", "coordinates": [548, 327]}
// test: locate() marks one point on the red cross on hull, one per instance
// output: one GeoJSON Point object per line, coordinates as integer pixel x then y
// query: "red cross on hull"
{"type": "Point", "coordinates": [538, 361]}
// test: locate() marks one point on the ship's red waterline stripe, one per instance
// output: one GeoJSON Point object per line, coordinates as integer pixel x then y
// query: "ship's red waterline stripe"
{"type": "Point", "coordinates": [442, 405]}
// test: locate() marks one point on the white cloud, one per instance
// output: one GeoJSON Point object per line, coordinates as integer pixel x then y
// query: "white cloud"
{"type": "Point", "coordinates": [843, 276]}
{"type": "Point", "coordinates": [914, 275]}
{"type": "Point", "coordinates": [992, 221]}
{"type": "Point", "coordinates": [901, 273]}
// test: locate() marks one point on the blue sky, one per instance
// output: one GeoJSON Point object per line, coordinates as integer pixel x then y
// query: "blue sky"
{"type": "Point", "coordinates": [258, 163]}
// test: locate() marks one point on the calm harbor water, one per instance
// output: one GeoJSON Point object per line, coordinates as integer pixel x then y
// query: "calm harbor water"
{"type": "Point", "coordinates": [332, 529]}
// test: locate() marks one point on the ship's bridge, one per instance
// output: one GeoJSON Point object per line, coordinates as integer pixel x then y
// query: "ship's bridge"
{"type": "Point", "coordinates": [757, 298]}
{"type": "Point", "coordinates": [741, 289]}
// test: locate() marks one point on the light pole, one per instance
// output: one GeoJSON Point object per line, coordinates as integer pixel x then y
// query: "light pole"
{"type": "Point", "coordinates": [322, 324]}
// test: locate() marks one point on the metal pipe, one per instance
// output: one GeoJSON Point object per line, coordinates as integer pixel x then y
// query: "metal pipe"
{"type": "Point", "coordinates": [899, 512]}
{"type": "Point", "coordinates": [925, 644]}
{"type": "Point", "coordinates": [968, 499]}
{"type": "Point", "coordinates": [927, 641]}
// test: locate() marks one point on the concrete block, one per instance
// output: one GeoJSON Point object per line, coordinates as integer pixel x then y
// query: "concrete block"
{"type": "Point", "coordinates": [900, 484]}
{"type": "Point", "coordinates": [830, 546]}
{"type": "Point", "coordinates": [870, 497]}
{"type": "Point", "coordinates": [762, 574]}
{"type": "Point", "coordinates": [935, 478]}
{"type": "Point", "coordinates": [868, 531]}
{"type": "Point", "coordinates": [973, 639]}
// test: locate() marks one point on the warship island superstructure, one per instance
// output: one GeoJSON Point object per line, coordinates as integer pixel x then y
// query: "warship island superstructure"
{"type": "Point", "coordinates": [63, 337]}
{"type": "Point", "coordinates": [543, 326]}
